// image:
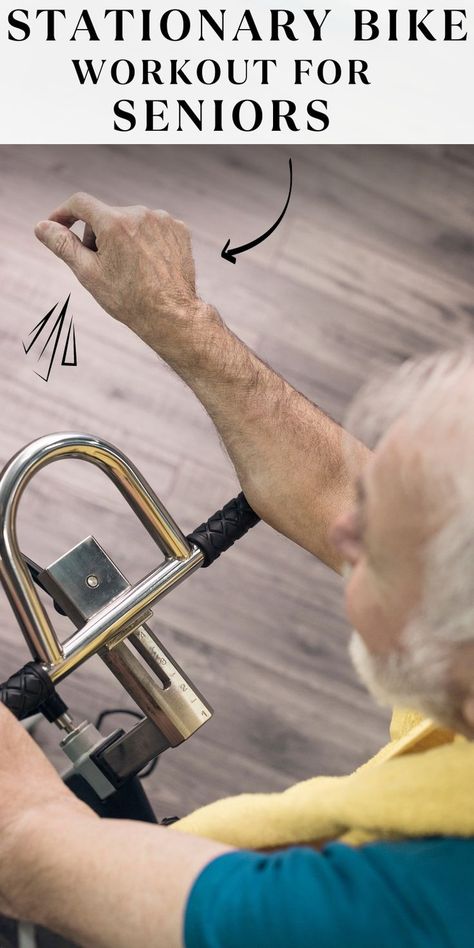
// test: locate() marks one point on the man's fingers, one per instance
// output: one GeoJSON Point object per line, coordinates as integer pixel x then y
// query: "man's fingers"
{"type": "Point", "coordinates": [55, 234]}
{"type": "Point", "coordinates": [88, 238]}
{"type": "Point", "coordinates": [65, 245]}
{"type": "Point", "coordinates": [81, 207]}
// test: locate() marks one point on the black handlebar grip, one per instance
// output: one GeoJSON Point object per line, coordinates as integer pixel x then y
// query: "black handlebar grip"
{"type": "Point", "coordinates": [27, 690]}
{"type": "Point", "coordinates": [226, 526]}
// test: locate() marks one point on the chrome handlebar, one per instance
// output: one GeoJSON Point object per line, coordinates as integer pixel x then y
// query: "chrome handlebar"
{"type": "Point", "coordinates": [181, 558]}
{"type": "Point", "coordinates": [108, 613]}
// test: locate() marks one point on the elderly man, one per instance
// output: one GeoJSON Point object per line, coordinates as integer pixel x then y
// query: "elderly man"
{"type": "Point", "coordinates": [388, 858]}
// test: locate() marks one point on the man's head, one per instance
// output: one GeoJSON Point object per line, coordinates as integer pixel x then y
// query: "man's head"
{"type": "Point", "coordinates": [409, 541]}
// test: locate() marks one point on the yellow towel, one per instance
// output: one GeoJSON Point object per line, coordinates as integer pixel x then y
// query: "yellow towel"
{"type": "Point", "coordinates": [420, 784]}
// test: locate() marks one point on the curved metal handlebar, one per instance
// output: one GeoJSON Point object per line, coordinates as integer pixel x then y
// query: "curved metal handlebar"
{"type": "Point", "coordinates": [180, 557]}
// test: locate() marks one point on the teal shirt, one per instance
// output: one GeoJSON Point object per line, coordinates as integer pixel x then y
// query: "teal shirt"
{"type": "Point", "coordinates": [410, 894]}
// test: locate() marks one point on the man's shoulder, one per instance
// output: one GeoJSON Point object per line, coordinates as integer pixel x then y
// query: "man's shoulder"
{"type": "Point", "coordinates": [424, 859]}
{"type": "Point", "coordinates": [380, 895]}
{"type": "Point", "coordinates": [430, 851]}
{"type": "Point", "coordinates": [424, 882]}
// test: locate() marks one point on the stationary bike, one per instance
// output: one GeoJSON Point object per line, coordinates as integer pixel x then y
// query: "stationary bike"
{"type": "Point", "coordinates": [111, 619]}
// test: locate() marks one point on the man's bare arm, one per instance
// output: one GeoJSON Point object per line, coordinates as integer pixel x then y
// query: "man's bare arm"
{"type": "Point", "coordinates": [288, 454]}
{"type": "Point", "coordinates": [100, 883]}
{"type": "Point", "coordinates": [110, 883]}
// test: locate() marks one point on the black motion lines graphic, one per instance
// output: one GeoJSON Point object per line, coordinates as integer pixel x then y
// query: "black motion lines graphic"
{"type": "Point", "coordinates": [69, 351]}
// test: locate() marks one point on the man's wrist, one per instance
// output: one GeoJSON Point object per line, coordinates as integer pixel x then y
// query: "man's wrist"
{"type": "Point", "coordinates": [195, 330]}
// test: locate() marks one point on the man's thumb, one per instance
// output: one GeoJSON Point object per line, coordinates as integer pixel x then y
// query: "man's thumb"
{"type": "Point", "coordinates": [61, 242]}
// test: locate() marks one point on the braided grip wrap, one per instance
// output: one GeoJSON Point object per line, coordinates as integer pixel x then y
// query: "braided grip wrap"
{"type": "Point", "coordinates": [226, 526]}
{"type": "Point", "coordinates": [27, 690]}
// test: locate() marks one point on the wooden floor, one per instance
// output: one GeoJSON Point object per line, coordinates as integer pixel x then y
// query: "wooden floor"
{"type": "Point", "coordinates": [374, 259]}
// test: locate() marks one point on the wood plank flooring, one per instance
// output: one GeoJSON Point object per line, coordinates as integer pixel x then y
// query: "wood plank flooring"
{"type": "Point", "coordinates": [374, 260]}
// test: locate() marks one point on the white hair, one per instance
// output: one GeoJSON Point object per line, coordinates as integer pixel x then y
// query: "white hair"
{"type": "Point", "coordinates": [431, 400]}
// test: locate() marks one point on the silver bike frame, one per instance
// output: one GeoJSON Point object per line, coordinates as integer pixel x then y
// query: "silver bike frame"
{"type": "Point", "coordinates": [180, 558]}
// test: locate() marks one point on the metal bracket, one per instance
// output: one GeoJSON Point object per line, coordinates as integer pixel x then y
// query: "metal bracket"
{"type": "Point", "coordinates": [84, 581]}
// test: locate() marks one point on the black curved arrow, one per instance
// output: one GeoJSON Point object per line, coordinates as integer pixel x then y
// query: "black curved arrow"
{"type": "Point", "coordinates": [230, 254]}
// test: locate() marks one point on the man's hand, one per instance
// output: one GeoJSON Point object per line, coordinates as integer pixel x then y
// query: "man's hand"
{"type": "Point", "coordinates": [30, 791]}
{"type": "Point", "coordinates": [137, 263]}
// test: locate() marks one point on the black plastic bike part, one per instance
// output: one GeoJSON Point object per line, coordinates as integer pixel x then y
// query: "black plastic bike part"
{"type": "Point", "coordinates": [35, 573]}
{"type": "Point", "coordinates": [53, 708]}
{"type": "Point", "coordinates": [220, 532]}
{"type": "Point", "coordinates": [144, 745]}
{"type": "Point", "coordinates": [130, 802]}
{"type": "Point", "coordinates": [29, 691]}
{"type": "Point", "coordinates": [124, 755]}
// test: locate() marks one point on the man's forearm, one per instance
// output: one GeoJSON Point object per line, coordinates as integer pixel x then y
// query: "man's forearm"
{"type": "Point", "coordinates": [289, 456]}
{"type": "Point", "coordinates": [109, 883]}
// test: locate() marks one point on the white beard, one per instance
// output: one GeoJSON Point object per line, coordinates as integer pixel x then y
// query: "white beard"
{"type": "Point", "coordinates": [383, 675]}
{"type": "Point", "coordinates": [413, 678]}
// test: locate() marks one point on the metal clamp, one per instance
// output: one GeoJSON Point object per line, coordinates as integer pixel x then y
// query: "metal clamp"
{"type": "Point", "coordinates": [83, 581]}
